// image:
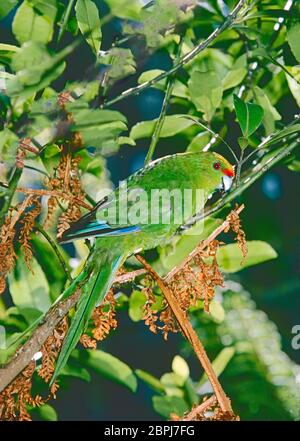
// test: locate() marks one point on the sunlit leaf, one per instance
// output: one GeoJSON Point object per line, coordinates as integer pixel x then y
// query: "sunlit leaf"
{"type": "Point", "coordinates": [230, 257]}
{"type": "Point", "coordinates": [32, 24]}
{"type": "Point", "coordinates": [172, 125]}
{"type": "Point", "coordinates": [89, 23]}
{"type": "Point", "coordinates": [293, 37]}
{"type": "Point", "coordinates": [136, 302]}
{"type": "Point", "coordinates": [206, 92]}
{"type": "Point", "coordinates": [270, 113]}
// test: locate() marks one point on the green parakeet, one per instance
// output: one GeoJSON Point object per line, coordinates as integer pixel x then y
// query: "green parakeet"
{"type": "Point", "coordinates": [128, 221]}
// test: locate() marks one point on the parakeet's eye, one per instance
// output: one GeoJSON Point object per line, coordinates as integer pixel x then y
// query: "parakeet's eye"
{"type": "Point", "coordinates": [217, 166]}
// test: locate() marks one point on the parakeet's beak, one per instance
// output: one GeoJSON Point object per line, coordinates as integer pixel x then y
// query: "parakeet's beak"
{"type": "Point", "coordinates": [228, 172]}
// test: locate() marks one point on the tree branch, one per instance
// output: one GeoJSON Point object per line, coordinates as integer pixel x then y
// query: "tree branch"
{"type": "Point", "coordinates": [184, 60]}
{"type": "Point", "coordinates": [190, 335]}
{"type": "Point", "coordinates": [57, 312]}
{"type": "Point", "coordinates": [200, 409]}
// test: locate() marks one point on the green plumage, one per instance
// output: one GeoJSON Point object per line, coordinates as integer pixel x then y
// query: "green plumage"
{"type": "Point", "coordinates": [117, 239]}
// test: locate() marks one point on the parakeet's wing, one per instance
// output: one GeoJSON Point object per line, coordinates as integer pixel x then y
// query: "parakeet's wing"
{"type": "Point", "coordinates": [91, 225]}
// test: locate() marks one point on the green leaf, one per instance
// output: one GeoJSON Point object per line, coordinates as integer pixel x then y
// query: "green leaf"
{"type": "Point", "coordinates": [30, 24]}
{"type": "Point", "coordinates": [9, 143]}
{"type": "Point", "coordinates": [149, 75]}
{"type": "Point", "coordinates": [35, 69]}
{"type": "Point", "coordinates": [217, 311]}
{"type": "Point", "coordinates": [126, 140]}
{"type": "Point", "coordinates": [109, 366]}
{"type": "Point", "coordinates": [120, 63]}
{"type": "Point", "coordinates": [125, 9]}
{"type": "Point", "coordinates": [270, 113]}
{"type": "Point", "coordinates": [89, 23]}
{"type": "Point", "coordinates": [234, 78]}
{"type": "Point", "coordinates": [172, 125]}
{"type": "Point", "coordinates": [136, 302]}
{"type": "Point", "coordinates": [173, 384]}
{"type": "Point", "coordinates": [47, 413]}
{"type": "Point", "coordinates": [180, 367]}
{"type": "Point", "coordinates": [230, 258]}
{"type": "Point", "coordinates": [219, 364]}
{"type": "Point", "coordinates": [152, 381]}
{"type": "Point", "coordinates": [29, 290]}
{"type": "Point", "coordinates": [199, 142]}
{"type": "Point", "coordinates": [294, 83]}
{"type": "Point", "coordinates": [249, 115]}
{"type": "Point", "coordinates": [165, 406]}
{"type": "Point", "coordinates": [206, 92]}
{"type": "Point", "coordinates": [89, 117]}
{"type": "Point", "coordinates": [71, 370]}
{"type": "Point", "coordinates": [6, 6]}
{"type": "Point", "coordinates": [236, 74]}
{"type": "Point", "coordinates": [294, 165]}
{"type": "Point", "coordinates": [293, 38]}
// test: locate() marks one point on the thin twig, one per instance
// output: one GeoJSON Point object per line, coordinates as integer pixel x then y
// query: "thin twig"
{"type": "Point", "coordinates": [184, 60]}
{"type": "Point", "coordinates": [58, 194]}
{"type": "Point", "coordinates": [211, 401]}
{"type": "Point", "coordinates": [25, 354]}
{"type": "Point", "coordinates": [190, 335]}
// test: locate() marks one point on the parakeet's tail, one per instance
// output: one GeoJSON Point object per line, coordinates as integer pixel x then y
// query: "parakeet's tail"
{"type": "Point", "coordinates": [93, 294]}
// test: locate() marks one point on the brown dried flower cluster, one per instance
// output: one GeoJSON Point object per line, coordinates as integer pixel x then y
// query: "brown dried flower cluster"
{"type": "Point", "coordinates": [18, 395]}
{"type": "Point", "coordinates": [67, 182]}
{"type": "Point", "coordinates": [104, 319]}
{"type": "Point", "coordinates": [236, 227]}
{"type": "Point", "coordinates": [15, 398]}
{"type": "Point", "coordinates": [7, 235]}
{"type": "Point", "coordinates": [198, 278]}
{"type": "Point", "coordinates": [27, 223]}
{"type": "Point", "coordinates": [163, 321]}
{"type": "Point", "coordinates": [50, 351]}
{"type": "Point", "coordinates": [7, 252]}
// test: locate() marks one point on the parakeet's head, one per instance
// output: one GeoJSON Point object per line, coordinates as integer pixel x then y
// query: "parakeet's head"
{"type": "Point", "coordinates": [219, 170]}
{"type": "Point", "coordinates": [223, 166]}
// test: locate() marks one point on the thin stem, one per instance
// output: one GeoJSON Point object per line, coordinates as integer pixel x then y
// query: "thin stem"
{"type": "Point", "coordinates": [65, 20]}
{"type": "Point", "coordinates": [239, 168]}
{"type": "Point", "coordinates": [12, 186]}
{"type": "Point", "coordinates": [161, 119]}
{"type": "Point", "coordinates": [184, 60]}
{"type": "Point", "coordinates": [190, 335]}
{"type": "Point", "coordinates": [59, 255]}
